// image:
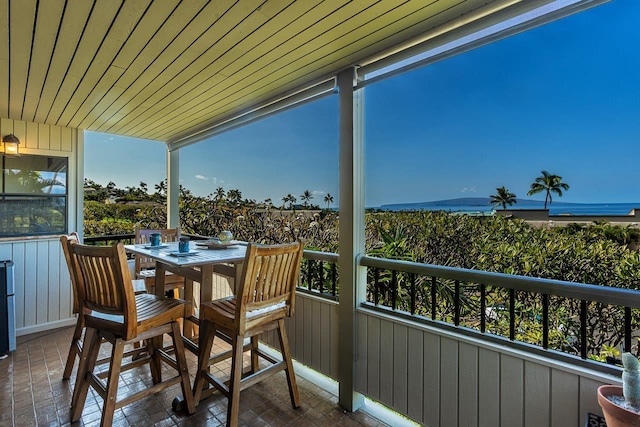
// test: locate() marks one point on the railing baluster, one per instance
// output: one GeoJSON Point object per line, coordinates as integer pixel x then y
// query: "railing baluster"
{"type": "Point", "coordinates": [456, 305]}
{"type": "Point", "coordinates": [309, 271]}
{"type": "Point", "coordinates": [627, 329]}
{"type": "Point", "coordinates": [334, 278]}
{"type": "Point", "coordinates": [394, 288]}
{"type": "Point", "coordinates": [545, 321]}
{"type": "Point", "coordinates": [320, 276]}
{"type": "Point", "coordinates": [483, 308]}
{"type": "Point", "coordinates": [512, 314]}
{"type": "Point", "coordinates": [433, 297]}
{"type": "Point", "coordinates": [413, 293]}
{"type": "Point", "coordinates": [376, 286]}
{"type": "Point", "coordinates": [583, 329]}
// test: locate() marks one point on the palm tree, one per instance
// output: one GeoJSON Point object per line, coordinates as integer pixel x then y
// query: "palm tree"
{"type": "Point", "coordinates": [328, 199]}
{"type": "Point", "coordinates": [503, 197]}
{"type": "Point", "coordinates": [219, 194]}
{"type": "Point", "coordinates": [306, 197]}
{"type": "Point", "coordinates": [161, 187]}
{"type": "Point", "coordinates": [548, 183]}
{"type": "Point", "coordinates": [234, 196]}
{"type": "Point", "coordinates": [291, 199]}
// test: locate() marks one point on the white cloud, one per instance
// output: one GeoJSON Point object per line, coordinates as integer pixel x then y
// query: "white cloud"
{"type": "Point", "coordinates": [202, 177]}
{"type": "Point", "coordinates": [468, 190]}
{"type": "Point", "coordinates": [318, 193]}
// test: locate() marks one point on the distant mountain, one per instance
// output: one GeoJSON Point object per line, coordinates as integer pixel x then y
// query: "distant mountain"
{"type": "Point", "coordinates": [466, 201]}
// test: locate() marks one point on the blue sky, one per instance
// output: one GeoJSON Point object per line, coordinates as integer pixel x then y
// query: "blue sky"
{"type": "Point", "coordinates": [564, 97]}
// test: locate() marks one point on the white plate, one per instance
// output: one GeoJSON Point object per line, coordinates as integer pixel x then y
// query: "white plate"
{"type": "Point", "coordinates": [177, 253]}
{"type": "Point", "coordinates": [216, 244]}
{"type": "Point", "coordinates": [154, 247]}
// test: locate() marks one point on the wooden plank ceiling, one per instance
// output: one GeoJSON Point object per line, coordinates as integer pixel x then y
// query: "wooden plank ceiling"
{"type": "Point", "coordinates": [159, 69]}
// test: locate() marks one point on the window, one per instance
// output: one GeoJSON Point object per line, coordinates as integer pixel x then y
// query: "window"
{"type": "Point", "coordinates": [33, 194]}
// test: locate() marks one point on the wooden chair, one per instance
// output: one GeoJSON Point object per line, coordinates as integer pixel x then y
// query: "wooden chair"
{"type": "Point", "coordinates": [145, 267]}
{"type": "Point", "coordinates": [76, 342]}
{"type": "Point", "coordinates": [112, 311]}
{"type": "Point", "coordinates": [266, 295]}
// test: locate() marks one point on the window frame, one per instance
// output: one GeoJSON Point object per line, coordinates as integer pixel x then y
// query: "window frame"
{"type": "Point", "coordinates": [8, 196]}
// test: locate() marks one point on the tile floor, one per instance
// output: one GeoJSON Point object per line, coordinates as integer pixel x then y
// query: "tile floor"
{"type": "Point", "coordinates": [32, 393]}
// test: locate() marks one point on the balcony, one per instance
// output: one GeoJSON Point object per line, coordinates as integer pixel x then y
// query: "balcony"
{"type": "Point", "coordinates": [126, 79]}
{"type": "Point", "coordinates": [435, 368]}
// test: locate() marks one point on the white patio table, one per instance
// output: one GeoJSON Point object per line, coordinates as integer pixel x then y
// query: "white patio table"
{"type": "Point", "coordinates": [198, 266]}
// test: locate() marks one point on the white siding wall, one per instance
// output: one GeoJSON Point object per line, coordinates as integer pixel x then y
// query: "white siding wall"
{"type": "Point", "coordinates": [439, 378]}
{"type": "Point", "coordinates": [313, 334]}
{"type": "Point", "coordinates": [43, 288]}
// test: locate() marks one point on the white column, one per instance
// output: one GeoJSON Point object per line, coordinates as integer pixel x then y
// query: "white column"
{"type": "Point", "coordinates": [173, 188]}
{"type": "Point", "coordinates": [79, 192]}
{"type": "Point", "coordinates": [351, 210]}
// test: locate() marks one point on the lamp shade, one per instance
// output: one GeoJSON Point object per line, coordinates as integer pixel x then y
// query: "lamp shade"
{"type": "Point", "coordinates": [10, 144]}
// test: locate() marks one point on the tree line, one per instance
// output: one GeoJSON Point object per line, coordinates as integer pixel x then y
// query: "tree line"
{"type": "Point", "coordinates": [110, 193]}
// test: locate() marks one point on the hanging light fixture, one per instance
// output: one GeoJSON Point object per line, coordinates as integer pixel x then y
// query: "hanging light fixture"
{"type": "Point", "coordinates": [10, 144]}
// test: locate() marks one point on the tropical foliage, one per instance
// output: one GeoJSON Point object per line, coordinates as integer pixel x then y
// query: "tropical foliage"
{"type": "Point", "coordinates": [596, 254]}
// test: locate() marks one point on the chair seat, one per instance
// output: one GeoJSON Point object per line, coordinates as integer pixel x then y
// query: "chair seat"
{"type": "Point", "coordinates": [222, 313]}
{"type": "Point", "coordinates": [152, 311]}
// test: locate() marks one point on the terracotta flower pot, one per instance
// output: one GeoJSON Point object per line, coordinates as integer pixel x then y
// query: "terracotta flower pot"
{"type": "Point", "coordinates": [616, 416]}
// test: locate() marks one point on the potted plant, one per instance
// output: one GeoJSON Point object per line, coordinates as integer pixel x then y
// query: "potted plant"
{"type": "Point", "coordinates": [621, 405]}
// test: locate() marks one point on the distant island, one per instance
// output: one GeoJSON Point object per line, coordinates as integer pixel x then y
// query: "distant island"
{"type": "Point", "coordinates": [467, 201]}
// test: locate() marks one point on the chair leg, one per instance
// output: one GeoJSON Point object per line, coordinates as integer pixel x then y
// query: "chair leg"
{"type": "Point", "coordinates": [109, 404]}
{"type": "Point", "coordinates": [234, 382]}
{"type": "Point", "coordinates": [88, 359]}
{"type": "Point", "coordinates": [75, 349]}
{"type": "Point", "coordinates": [255, 366]}
{"type": "Point", "coordinates": [286, 356]}
{"type": "Point", "coordinates": [181, 361]}
{"type": "Point", "coordinates": [207, 333]}
{"type": "Point", "coordinates": [155, 364]}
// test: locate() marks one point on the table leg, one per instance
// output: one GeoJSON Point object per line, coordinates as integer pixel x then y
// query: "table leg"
{"type": "Point", "coordinates": [188, 330]}
{"type": "Point", "coordinates": [206, 283]}
{"type": "Point", "coordinates": [160, 276]}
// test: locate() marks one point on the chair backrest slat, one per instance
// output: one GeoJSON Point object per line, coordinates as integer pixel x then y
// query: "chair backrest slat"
{"type": "Point", "coordinates": [269, 277]}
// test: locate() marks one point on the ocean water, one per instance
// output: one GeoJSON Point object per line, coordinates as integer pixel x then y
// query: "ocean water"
{"type": "Point", "coordinates": [554, 209]}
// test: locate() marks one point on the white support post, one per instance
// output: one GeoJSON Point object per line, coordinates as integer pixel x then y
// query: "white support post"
{"type": "Point", "coordinates": [352, 276]}
{"type": "Point", "coordinates": [79, 165]}
{"type": "Point", "coordinates": [173, 188]}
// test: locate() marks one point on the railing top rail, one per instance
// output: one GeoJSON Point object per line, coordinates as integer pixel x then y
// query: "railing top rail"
{"type": "Point", "coordinates": [579, 291]}
{"type": "Point", "coordinates": [321, 256]}
{"type": "Point", "coordinates": [109, 237]}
